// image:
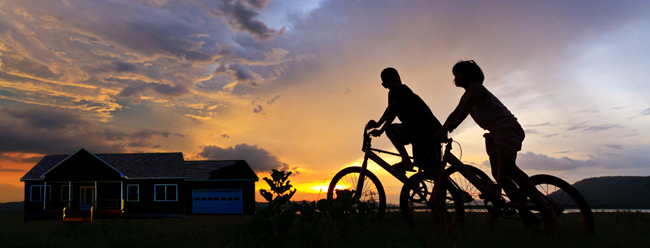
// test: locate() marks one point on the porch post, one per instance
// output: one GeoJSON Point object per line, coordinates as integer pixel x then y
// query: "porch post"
{"type": "Point", "coordinates": [44, 192]}
{"type": "Point", "coordinates": [69, 191]}
{"type": "Point", "coordinates": [121, 195]}
{"type": "Point", "coordinates": [95, 202]}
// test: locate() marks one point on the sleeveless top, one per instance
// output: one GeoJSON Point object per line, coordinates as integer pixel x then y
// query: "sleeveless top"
{"type": "Point", "coordinates": [488, 112]}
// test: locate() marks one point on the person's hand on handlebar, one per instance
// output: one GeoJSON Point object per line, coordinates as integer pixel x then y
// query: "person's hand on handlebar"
{"type": "Point", "coordinates": [372, 124]}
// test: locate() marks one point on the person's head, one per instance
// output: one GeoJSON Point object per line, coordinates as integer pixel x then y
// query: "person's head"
{"type": "Point", "coordinates": [390, 78]}
{"type": "Point", "coordinates": [467, 72]}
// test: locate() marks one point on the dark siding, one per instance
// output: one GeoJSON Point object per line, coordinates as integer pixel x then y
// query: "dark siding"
{"type": "Point", "coordinates": [147, 205]}
{"type": "Point", "coordinates": [247, 187]}
{"type": "Point", "coordinates": [83, 166]}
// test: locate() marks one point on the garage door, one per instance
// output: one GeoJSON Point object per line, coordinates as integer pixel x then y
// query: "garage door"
{"type": "Point", "coordinates": [217, 201]}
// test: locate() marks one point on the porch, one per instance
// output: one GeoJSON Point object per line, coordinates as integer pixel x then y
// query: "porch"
{"type": "Point", "coordinates": [86, 204]}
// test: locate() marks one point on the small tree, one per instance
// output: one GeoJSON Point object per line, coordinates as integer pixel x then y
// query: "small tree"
{"type": "Point", "coordinates": [280, 195]}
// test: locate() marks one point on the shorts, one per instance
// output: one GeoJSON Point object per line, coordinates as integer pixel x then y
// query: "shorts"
{"type": "Point", "coordinates": [508, 134]}
{"type": "Point", "coordinates": [425, 149]}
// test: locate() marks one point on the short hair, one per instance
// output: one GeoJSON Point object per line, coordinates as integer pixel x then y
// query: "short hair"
{"type": "Point", "coordinates": [470, 70]}
{"type": "Point", "coordinates": [390, 73]}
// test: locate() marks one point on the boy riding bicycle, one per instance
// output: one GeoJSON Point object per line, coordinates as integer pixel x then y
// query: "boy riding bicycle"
{"type": "Point", "coordinates": [418, 123]}
{"type": "Point", "coordinates": [502, 142]}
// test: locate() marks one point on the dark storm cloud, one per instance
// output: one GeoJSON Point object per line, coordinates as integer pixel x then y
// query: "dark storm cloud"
{"type": "Point", "coordinates": [242, 14]}
{"type": "Point", "coordinates": [259, 159]}
{"type": "Point", "coordinates": [16, 139]}
{"type": "Point", "coordinates": [46, 118]}
{"type": "Point", "coordinates": [144, 134]}
{"type": "Point", "coordinates": [163, 89]}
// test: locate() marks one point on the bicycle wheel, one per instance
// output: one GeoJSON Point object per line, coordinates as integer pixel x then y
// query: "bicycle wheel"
{"type": "Point", "coordinates": [573, 212]}
{"type": "Point", "coordinates": [469, 193]}
{"type": "Point", "coordinates": [416, 194]}
{"type": "Point", "coordinates": [373, 192]}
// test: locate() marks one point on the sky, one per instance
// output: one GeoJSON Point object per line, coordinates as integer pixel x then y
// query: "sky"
{"type": "Point", "coordinates": [290, 84]}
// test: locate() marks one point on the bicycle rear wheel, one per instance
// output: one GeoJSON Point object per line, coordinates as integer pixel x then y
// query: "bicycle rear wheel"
{"type": "Point", "coordinates": [416, 194]}
{"type": "Point", "coordinates": [573, 212]}
{"type": "Point", "coordinates": [372, 194]}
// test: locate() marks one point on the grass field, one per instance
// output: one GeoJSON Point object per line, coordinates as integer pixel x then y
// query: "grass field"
{"type": "Point", "coordinates": [622, 229]}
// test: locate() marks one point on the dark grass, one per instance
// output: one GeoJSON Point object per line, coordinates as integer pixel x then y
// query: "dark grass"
{"type": "Point", "coordinates": [622, 229]}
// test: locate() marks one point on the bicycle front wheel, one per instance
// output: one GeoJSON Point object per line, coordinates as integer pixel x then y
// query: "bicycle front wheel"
{"type": "Point", "coordinates": [372, 193]}
{"type": "Point", "coordinates": [572, 211]}
{"type": "Point", "coordinates": [469, 193]}
{"type": "Point", "coordinates": [416, 195]}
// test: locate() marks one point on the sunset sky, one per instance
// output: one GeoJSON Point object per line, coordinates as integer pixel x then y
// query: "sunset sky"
{"type": "Point", "coordinates": [289, 84]}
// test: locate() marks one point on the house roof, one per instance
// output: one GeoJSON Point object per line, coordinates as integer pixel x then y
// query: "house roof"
{"type": "Point", "coordinates": [156, 165]}
{"type": "Point", "coordinates": [219, 169]}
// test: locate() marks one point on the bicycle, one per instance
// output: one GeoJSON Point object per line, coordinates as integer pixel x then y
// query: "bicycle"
{"type": "Point", "coordinates": [473, 188]}
{"type": "Point", "coordinates": [366, 186]}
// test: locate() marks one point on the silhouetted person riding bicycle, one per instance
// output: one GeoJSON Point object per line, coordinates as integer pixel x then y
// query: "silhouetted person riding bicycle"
{"type": "Point", "coordinates": [417, 128]}
{"type": "Point", "coordinates": [502, 142]}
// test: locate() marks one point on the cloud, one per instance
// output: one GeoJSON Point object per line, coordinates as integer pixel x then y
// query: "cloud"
{"type": "Point", "coordinates": [531, 131]}
{"type": "Point", "coordinates": [275, 98]}
{"type": "Point", "coordinates": [530, 160]}
{"type": "Point", "coordinates": [258, 158]}
{"type": "Point", "coordinates": [645, 112]}
{"type": "Point", "coordinates": [241, 15]}
{"type": "Point", "coordinates": [12, 170]}
{"type": "Point", "coordinates": [617, 147]}
{"type": "Point", "coordinates": [160, 88]}
{"type": "Point", "coordinates": [11, 193]}
{"type": "Point", "coordinates": [47, 118]}
{"type": "Point", "coordinates": [593, 128]}
{"type": "Point", "coordinates": [258, 109]}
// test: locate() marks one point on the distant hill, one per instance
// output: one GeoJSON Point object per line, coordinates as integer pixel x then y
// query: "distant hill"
{"type": "Point", "coordinates": [12, 207]}
{"type": "Point", "coordinates": [615, 192]}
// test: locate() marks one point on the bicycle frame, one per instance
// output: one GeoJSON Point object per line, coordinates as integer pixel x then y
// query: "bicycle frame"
{"type": "Point", "coordinates": [482, 185]}
{"type": "Point", "coordinates": [370, 154]}
{"type": "Point", "coordinates": [449, 158]}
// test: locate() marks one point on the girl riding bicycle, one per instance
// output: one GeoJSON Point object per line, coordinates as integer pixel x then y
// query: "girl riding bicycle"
{"type": "Point", "coordinates": [503, 140]}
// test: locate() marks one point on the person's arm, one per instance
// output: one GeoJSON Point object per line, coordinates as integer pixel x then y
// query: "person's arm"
{"type": "Point", "coordinates": [386, 119]}
{"type": "Point", "coordinates": [465, 105]}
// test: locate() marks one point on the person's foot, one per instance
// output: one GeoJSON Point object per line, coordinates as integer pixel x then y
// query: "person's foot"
{"type": "Point", "coordinates": [404, 167]}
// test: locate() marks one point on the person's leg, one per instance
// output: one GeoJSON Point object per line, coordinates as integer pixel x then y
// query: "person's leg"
{"type": "Point", "coordinates": [399, 137]}
{"type": "Point", "coordinates": [508, 186]}
{"type": "Point", "coordinates": [507, 157]}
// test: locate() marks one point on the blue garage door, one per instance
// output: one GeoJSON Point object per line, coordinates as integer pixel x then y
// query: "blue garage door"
{"type": "Point", "coordinates": [217, 201]}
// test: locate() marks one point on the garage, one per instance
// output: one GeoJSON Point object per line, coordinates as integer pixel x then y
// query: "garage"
{"type": "Point", "coordinates": [217, 201]}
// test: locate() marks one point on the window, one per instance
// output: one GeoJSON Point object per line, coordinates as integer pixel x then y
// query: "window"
{"type": "Point", "coordinates": [36, 192]}
{"type": "Point", "coordinates": [165, 192]}
{"type": "Point", "coordinates": [132, 192]}
{"type": "Point", "coordinates": [65, 190]}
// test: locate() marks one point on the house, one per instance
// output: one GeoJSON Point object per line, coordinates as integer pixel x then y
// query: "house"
{"type": "Point", "coordinates": [83, 186]}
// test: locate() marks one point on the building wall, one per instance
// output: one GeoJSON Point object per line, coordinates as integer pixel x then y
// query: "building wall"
{"type": "Point", "coordinates": [147, 204]}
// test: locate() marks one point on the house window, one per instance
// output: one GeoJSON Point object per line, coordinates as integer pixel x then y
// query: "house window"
{"type": "Point", "coordinates": [165, 192]}
{"type": "Point", "coordinates": [132, 192]}
{"type": "Point", "coordinates": [65, 190]}
{"type": "Point", "coordinates": [36, 192]}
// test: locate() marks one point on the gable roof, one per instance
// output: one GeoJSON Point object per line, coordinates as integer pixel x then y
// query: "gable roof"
{"type": "Point", "coordinates": [219, 170]}
{"type": "Point", "coordinates": [82, 152]}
